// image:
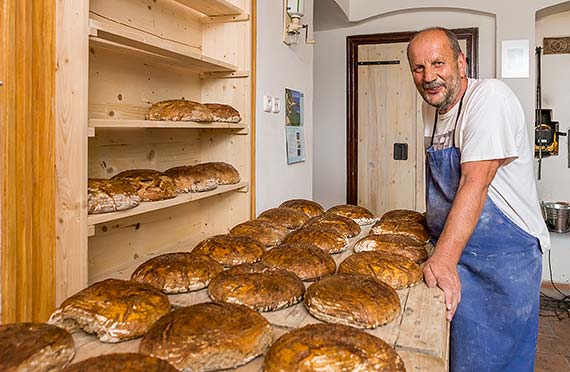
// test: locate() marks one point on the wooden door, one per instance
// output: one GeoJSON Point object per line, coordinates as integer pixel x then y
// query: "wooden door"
{"type": "Point", "coordinates": [389, 116]}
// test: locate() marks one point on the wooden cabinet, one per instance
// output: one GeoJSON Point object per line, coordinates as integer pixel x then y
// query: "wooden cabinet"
{"type": "Point", "coordinates": [115, 58]}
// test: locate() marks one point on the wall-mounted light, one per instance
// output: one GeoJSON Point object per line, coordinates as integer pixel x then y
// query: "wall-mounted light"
{"type": "Point", "coordinates": [292, 26]}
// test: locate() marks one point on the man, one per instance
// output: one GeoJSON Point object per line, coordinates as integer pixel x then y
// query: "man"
{"type": "Point", "coordinates": [482, 209]}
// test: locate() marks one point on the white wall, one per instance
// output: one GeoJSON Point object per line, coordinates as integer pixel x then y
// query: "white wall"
{"type": "Point", "coordinates": [555, 182]}
{"type": "Point", "coordinates": [280, 67]}
{"type": "Point", "coordinates": [497, 21]}
{"type": "Point", "coordinates": [329, 180]}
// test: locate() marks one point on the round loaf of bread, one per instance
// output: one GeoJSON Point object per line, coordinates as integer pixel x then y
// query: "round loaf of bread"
{"type": "Point", "coordinates": [115, 310]}
{"type": "Point", "coordinates": [265, 232]}
{"type": "Point", "coordinates": [395, 270]}
{"type": "Point", "coordinates": [151, 185]}
{"type": "Point", "coordinates": [405, 215]}
{"type": "Point", "coordinates": [208, 337]}
{"type": "Point", "coordinates": [105, 196]}
{"type": "Point", "coordinates": [393, 243]}
{"type": "Point", "coordinates": [352, 299]}
{"type": "Point", "coordinates": [258, 286]}
{"type": "Point", "coordinates": [326, 239]}
{"type": "Point", "coordinates": [343, 225]}
{"type": "Point", "coordinates": [309, 207]}
{"type": "Point", "coordinates": [307, 261]}
{"type": "Point", "coordinates": [122, 362]}
{"type": "Point", "coordinates": [288, 218]}
{"type": "Point", "coordinates": [413, 230]}
{"type": "Point", "coordinates": [177, 272]}
{"type": "Point", "coordinates": [231, 250]}
{"type": "Point", "coordinates": [223, 113]}
{"type": "Point", "coordinates": [34, 347]}
{"type": "Point", "coordinates": [222, 173]}
{"type": "Point", "coordinates": [358, 214]}
{"type": "Point", "coordinates": [331, 347]}
{"type": "Point", "coordinates": [191, 179]}
{"type": "Point", "coordinates": [179, 110]}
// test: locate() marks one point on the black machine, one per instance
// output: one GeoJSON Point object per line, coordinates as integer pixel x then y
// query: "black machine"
{"type": "Point", "coordinates": [546, 134]}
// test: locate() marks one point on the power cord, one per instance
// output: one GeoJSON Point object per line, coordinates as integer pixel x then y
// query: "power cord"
{"type": "Point", "coordinates": [549, 304]}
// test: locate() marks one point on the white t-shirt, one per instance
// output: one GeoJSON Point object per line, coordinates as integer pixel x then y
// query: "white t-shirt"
{"type": "Point", "coordinates": [492, 126]}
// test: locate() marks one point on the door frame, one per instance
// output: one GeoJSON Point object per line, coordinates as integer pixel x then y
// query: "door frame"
{"type": "Point", "coordinates": [470, 35]}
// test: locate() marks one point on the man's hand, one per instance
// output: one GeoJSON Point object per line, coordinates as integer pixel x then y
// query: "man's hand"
{"type": "Point", "coordinates": [441, 271]}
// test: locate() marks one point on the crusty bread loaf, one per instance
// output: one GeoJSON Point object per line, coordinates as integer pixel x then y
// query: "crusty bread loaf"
{"type": "Point", "coordinates": [267, 233]}
{"type": "Point", "coordinates": [151, 185]}
{"type": "Point", "coordinates": [258, 286]}
{"type": "Point", "coordinates": [358, 214]}
{"type": "Point", "coordinates": [402, 227]}
{"type": "Point", "coordinates": [223, 113]}
{"type": "Point", "coordinates": [34, 347]}
{"type": "Point", "coordinates": [105, 196]}
{"type": "Point", "coordinates": [326, 239]}
{"type": "Point", "coordinates": [307, 261]}
{"type": "Point", "coordinates": [122, 362]}
{"type": "Point", "coordinates": [405, 215]}
{"type": "Point", "coordinates": [288, 218]}
{"type": "Point", "coordinates": [222, 173]}
{"type": "Point", "coordinates": [179, 110]}
{"type": "Point", "coordinates": [395, 270]}
{"type": "Point", "coordinates": [356, 300]}
{"type": "Point", "coordinates": [393, 243]}
{"type": "Point", "coordinates": [208, 337]}
{"type": "Point", "coordinates": [331, 347]}
{"type": "Point", "coordinates": [231, 250]}
{"type": "Point", "coordinates": [343, 225]}
{"type": "Point", "coordinates": [177, 272]}
{"type": "Point", "coordinates": [191, 179]}
{"type": "Point", "coordinates": [309, 207]}
{"type": "Point", "coordinates": [115, 310]}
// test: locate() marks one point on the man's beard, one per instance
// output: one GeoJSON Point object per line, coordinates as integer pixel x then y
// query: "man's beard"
{"type": "Point", "coordinates": [452, 89]}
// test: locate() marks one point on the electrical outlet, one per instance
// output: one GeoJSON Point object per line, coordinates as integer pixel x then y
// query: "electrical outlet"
{"type": "Point", "coordinates": [267, 103]}
{"type": "Point", "coordinates": [276, 105]}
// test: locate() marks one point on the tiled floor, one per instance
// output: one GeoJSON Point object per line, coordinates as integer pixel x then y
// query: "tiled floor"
{"type": "Point", "coordinates": [553, 353]}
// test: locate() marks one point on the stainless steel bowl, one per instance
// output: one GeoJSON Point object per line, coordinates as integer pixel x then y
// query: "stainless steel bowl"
{"type": "Point", "coordinates": [557, 216]}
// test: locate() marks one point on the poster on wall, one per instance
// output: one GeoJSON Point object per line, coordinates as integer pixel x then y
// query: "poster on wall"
{"type": "Point", "coordinates": [295, 144]}
{"type": "Point", "coordinates": [293, 108]}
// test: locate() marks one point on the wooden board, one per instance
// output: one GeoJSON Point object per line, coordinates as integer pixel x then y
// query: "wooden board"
{"type": "Point", "coordinates": [419, 334]}
{"type": "Point", "coordinates": [213, 8]}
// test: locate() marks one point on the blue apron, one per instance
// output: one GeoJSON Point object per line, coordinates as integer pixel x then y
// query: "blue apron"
{"type": "Point", "coordinates": [495, 327]}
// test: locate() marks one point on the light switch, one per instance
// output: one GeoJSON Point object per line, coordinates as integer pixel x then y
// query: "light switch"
{"type": "Point", "coordinates": [267, 103]}
{"type": "Point", "coordinates": [276, 105]}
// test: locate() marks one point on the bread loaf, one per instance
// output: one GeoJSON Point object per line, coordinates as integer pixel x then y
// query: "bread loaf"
{"type": "Point", "coordinates": [257, 286]}
{"type": "Point", "coordinates": [179, 110]}
{"type": "Point", "coordinates": [191, 179]}
{"type": "Point", "coordinates": [307, 261]}
{"type": "Point", "coordinates": [343, 225]}
{"type": "Point", "coordinates": [177, 272]}
{"type": "Point", "coordinates": [405, 215]}
{"type": "Point", "coordinates": [410, 229]}
{"type": "Point", "coordinates": [351, 299]}
{"type": "Point", "coordinates": [393, 243]}
{"type": "Point", "coordinates": [115, 310]}
{"type": "Point", "coordinates": [288, 218]}
{"type": "Point", "coordinates": [34, 347]}
{"type": "Point", "coordinates": [151, 185]}
{"type": "Point", "coordinates": [326, 239]}
{"type": "Point", "coordinates": [222, 173]}
{"type": "Point", "coordinates": [223, 113]}
{"type": "Point", "coordinates": [331, 347]}
{"type": "Point", "coordinates": [397, 271]}
{"type": "Point", "coordinates": [230, 250]}
{"type": "Point", "coordinates": [358, 214]}
{"type": "Point", "coordinates": [208, 337]}
{"type": "Point", "coordinates": [267, 233]}
{"type": "Point", "coordinates": [122, 362]}
{"type": "Point", "coordinates": [105, 196]}
{"type": "Point", "coordinates": [309, 207]}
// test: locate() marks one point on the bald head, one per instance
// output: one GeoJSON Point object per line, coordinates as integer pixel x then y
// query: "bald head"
{"type": "Point", "coordinates": [437, 32]}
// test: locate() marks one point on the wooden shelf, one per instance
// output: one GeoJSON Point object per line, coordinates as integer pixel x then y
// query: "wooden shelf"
{"type": "Point", "coordinates": [146, 207]}
{"type": "Point", "coordinates": [241, 128]}
{"type": "Point", "coordinates": [147, 46]}
{"type": "Point", "coordinates": [212, 8]}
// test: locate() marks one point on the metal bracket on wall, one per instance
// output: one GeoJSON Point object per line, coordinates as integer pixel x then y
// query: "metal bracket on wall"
{"type": "Point", "coordinates": [372, 63]}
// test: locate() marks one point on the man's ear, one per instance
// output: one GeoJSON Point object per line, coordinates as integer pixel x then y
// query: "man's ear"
{"type": "Point", "coordinates": [462, 63]}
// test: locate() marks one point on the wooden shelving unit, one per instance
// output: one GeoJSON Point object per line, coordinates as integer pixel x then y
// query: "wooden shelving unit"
{"type": "Point", "coordinates": [115, 58]}
{"type": "Point", "coordinates": [146, 207]}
